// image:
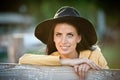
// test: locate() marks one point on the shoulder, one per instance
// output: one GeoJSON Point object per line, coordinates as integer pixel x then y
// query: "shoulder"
{"type": "Point", "coordinates": [97, 50]}
{"type": "Point", "coordinates": [29, 55]}
{"type": "Point", "coordinates": [55, 53]}
{"type": "Point", "coordinates": [89, 53]}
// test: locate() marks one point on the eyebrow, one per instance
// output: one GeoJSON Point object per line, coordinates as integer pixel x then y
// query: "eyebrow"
{"type": "Point", "coordinates": [70, 33]}
{"type": "Point", "coordinates": [67, 33]}
{"type": "Point", "coordinates": [57, 32]}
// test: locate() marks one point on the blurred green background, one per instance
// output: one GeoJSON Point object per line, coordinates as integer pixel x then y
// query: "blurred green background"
{"type": "Point", "coordinates": [18, 19]}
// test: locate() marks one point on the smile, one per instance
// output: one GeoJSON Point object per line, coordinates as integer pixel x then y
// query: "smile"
{"type": "Point", "coordinates": [65, 47]}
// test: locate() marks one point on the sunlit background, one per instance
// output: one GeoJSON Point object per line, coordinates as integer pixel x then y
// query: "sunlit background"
{"type": "Point", "coordinates": [18, 19]}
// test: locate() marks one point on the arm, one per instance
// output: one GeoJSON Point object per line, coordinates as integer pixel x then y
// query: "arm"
{"type": "Point", "coordinates": [48, 60]}
{"type": "Point", "coordinates": [102, 62]}
{"type": "Point", "coordinates": [39, 59]}
{"type": "Point", "coordinates": [79, 61]}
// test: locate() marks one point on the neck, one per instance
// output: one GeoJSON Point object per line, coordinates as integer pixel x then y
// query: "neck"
{"type": "Point", "coordinates": [72, 55]}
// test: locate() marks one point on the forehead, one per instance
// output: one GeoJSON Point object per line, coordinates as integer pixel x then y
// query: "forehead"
{"type": "Point", "coordinates": [64, 27]}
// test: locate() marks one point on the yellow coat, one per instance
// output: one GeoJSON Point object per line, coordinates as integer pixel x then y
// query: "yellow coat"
{"type": "Point", "coordinates": [54, 59]}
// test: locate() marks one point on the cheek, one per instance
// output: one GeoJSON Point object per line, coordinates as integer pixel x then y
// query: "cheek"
{"type": "Point", "coordinates": [73, 42]}
{"type": "Point", "coordinates": [56, 41]}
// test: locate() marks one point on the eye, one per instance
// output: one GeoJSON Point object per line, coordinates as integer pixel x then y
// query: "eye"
{"type": "Point", "coordinates": [70, 35]}
{"type": "Point", "coordinates": [58, 34]}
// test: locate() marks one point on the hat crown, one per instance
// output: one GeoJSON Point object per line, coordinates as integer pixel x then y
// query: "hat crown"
{"type": "Point", "coordinates": [67, 11]}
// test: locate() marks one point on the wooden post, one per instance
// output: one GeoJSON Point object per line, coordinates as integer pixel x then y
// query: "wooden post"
{"type": "Point", "coordinates": [16, 48]}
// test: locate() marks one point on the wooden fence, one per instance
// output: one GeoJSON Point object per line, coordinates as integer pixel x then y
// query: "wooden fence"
{"type": "Point", "coordinates": [32, 72]}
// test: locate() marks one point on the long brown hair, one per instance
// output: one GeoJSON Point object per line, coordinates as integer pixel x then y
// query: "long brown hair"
{"type": "Point", "coordinates": [82, 45]}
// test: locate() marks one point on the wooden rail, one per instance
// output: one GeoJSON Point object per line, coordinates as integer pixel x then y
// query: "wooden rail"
{"type": "Point", "coordinates": [32, 72]}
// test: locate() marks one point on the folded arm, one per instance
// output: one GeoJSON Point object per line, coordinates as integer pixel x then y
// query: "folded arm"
{"type": "Point", "coordinates": [39, 59]}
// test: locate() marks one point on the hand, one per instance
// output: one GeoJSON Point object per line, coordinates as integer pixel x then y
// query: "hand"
{"type": "Point", "coordinates": [81, 70]}
{"type": "Point", "coordinates": [90, 63]}
{"type": "Point", "coordinates": [78, 61]}
{"type": "Point", "coordinates": [81, 65]}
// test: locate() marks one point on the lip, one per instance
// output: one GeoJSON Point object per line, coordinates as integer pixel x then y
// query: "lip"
{"type": "Point", "coordinates": [64, 48]}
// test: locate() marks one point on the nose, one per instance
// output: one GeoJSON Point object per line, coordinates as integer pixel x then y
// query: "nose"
{"type": "Point", "coordinates": [64, 40]}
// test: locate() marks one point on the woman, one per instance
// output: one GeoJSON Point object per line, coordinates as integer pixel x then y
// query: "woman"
{"type": "Point", "coordinates": [71, 40]}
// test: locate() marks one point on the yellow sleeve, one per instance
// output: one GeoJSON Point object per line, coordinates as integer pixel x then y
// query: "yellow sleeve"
{"type": "Point", "coordinates": [102, 61]}
{"type": "Point", "coordinates": [39, 59]}
{"type": "Point", "coordinates": [98, 58]}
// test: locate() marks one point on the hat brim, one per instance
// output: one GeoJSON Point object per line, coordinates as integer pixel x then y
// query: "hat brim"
{"type": "Point", "coordinates": [42, 30]}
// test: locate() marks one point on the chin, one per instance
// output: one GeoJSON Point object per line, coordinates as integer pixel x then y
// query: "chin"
{"type": "Point", "coordinates": [64, 52]}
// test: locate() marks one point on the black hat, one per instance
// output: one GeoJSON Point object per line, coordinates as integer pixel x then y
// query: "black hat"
{"type": "Point", "coordinates": [66, 13]}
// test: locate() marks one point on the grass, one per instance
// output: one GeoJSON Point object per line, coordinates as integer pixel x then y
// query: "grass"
{"type": "Point", "coordinates": [112, 55]}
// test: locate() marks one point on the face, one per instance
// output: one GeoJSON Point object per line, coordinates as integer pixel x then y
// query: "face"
{"type": "Point", "coordinates": [66, 38]}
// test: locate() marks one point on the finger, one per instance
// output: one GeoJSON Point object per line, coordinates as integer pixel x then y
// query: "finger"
{"type": "Point", "coordinates": [94, 66]}
{"type": "Point", "coordinates": [86, 69]}
{"type": "Point", "coordinates": [89, 62]}
{"type": "Point", "coordinates": [76, 68]}
{"type": "Point", "coordinates": [82, 72]}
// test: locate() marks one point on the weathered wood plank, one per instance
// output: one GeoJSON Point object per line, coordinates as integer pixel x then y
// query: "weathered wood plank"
{"type": "Point", "coordinates": [32, 72]}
